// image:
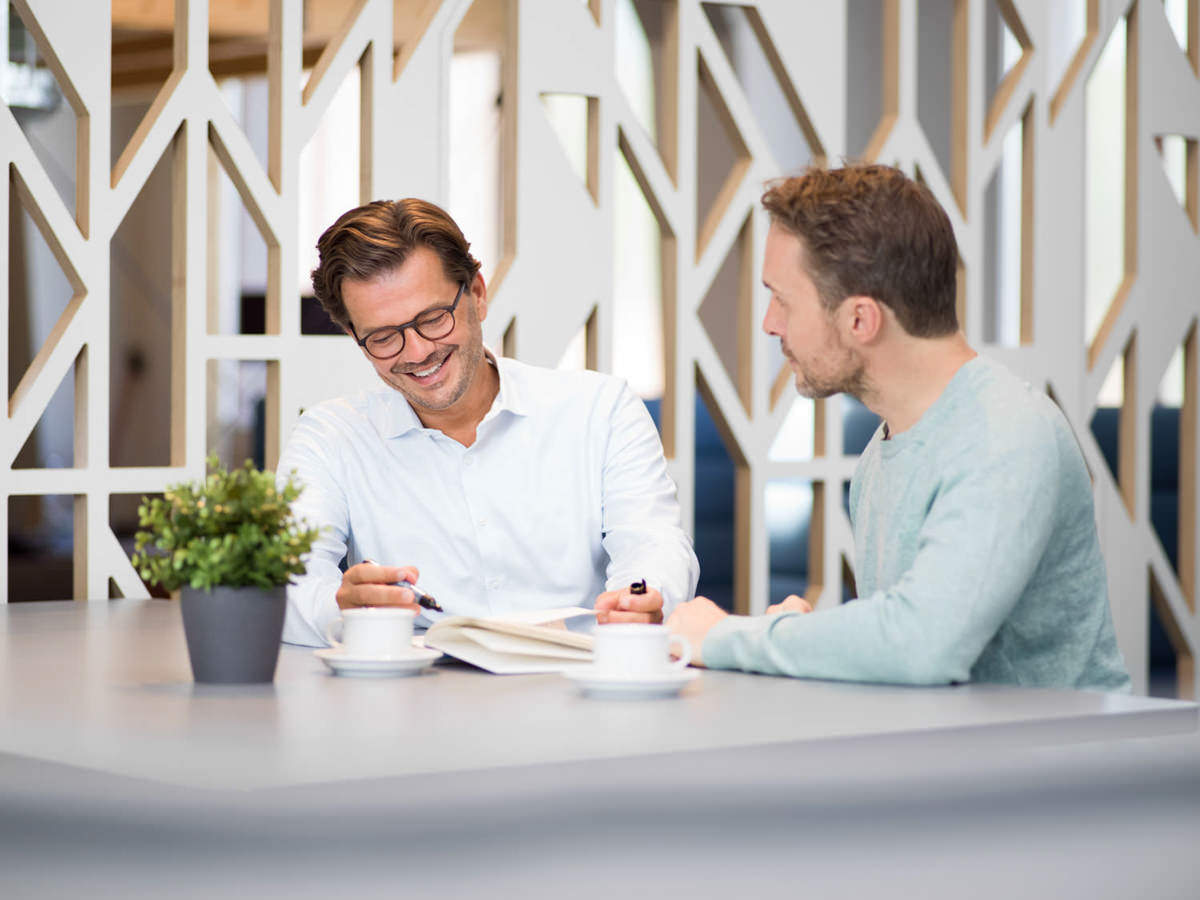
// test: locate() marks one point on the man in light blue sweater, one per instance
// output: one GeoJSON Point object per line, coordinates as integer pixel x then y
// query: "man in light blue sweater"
{"type": "Point", "coordinates": [976, 554]}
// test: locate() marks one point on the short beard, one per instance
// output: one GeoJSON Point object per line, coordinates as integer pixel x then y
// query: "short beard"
{"type": "Point", "coordinates": [852, 381]}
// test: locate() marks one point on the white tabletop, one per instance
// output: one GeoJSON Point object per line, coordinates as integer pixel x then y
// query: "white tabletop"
{"type": "Point", "coordinates": [106, 686]}
{"type": "Point", "coordinates": [120, 778]}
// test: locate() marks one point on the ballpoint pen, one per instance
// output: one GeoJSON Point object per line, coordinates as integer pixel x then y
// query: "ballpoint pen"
{"type": "Point", "coordinates": [423, 599]}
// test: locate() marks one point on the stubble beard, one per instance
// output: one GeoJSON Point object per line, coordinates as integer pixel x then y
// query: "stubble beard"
{"type": "Point", "coordinates": [850, 377]}
{"type": "Point", "coordinates": [470, 355]}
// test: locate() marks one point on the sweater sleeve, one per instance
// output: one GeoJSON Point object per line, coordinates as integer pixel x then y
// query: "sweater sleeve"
{"type": "Point", "coordinates": [978, 546]}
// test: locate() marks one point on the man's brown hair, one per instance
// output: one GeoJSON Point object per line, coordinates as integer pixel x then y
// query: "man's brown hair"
{"type": "Point", "coordinates": [870, 230]}
{"type": "Point", "coordinates": [374, 239]}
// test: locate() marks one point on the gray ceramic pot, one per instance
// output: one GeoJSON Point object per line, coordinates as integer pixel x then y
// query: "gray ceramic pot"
{"type": "Point", "coordinates": [233, 633]}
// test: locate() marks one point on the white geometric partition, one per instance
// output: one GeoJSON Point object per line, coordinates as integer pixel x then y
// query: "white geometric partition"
{"type": "Point", "coordinates": [555, 277]}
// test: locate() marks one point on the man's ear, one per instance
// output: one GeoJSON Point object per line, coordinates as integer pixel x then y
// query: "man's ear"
{"type": "Point", "coordinates": [479, 296]}
{"type": "Point", "coordinates": [862, 318]}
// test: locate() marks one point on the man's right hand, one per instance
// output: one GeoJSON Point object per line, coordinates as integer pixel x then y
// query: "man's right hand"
{"type": "Point", "coordinates": [791, 603]}
{"type": "Point", "coordinates": [370, 584]}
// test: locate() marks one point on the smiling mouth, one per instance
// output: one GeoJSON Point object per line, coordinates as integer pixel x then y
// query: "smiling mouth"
{"type": "Point", "coordinates": [428, 373]}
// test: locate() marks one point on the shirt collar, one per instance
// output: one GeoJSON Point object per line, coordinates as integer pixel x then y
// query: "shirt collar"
{"type": "Point", "coordinates": [393, 416]}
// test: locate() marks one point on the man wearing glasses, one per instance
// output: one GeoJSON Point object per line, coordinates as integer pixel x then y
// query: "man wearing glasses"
{"type": "Point", "coordinates": [502, 486]}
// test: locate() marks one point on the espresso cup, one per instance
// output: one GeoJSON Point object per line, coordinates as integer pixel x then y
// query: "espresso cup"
{"type": "Point", "coordinates": [636, 649]}
{"type": "Point", "coordinates": [376, 632]}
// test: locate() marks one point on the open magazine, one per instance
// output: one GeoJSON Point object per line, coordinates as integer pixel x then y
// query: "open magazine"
{"type": "Point", "coordinates": [515, 644]}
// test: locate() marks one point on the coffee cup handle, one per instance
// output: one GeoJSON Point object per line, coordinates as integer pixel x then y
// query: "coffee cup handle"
{"type": "Point", "coordinates": [334, 642]}
{"type": "Point", "coordinates": [685, 651]}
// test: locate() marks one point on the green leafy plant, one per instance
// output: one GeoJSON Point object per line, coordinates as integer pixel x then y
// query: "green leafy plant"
{"type": "Point", "coordinates": [234, 528]}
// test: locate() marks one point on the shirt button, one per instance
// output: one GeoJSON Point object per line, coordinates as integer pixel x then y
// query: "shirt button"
{"type": "Point", "coordinates": [493, 583]}
{"type": "Point", "coordinates": [483, 523]}
{"type": "Point", "coordinates": [467, 460]}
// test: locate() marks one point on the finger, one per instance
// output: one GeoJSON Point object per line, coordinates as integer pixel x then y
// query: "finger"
{"type": "Point", "coordinates": [774, 608]}
{"type": "Point", "coordinates": [370, 572]}
{"type": "Point", "coordinates": [607, 600]}
{"type": "Point", "coordinates": [380, 595]}
{"type": "Point", "coordinates": [617, 617]}
{"type": "Point", "coordinates": [647, 602]}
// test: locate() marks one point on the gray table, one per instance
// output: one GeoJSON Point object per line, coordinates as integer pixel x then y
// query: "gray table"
{"type": "Point", "coordinates": [117, 771]}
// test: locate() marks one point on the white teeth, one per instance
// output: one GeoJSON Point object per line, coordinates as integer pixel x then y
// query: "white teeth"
{"type": "Point", "coordinates": [429, 372]}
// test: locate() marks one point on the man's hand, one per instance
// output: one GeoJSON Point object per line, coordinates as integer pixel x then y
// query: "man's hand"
{"type": "Point", "coordinates": [693, 620]}
{"type": "Point", "coordinates": [370, 584]}
{"type": "Point", "coordinates": [624, 606]}
{"type": "Point", "coordinates": [791, 603]}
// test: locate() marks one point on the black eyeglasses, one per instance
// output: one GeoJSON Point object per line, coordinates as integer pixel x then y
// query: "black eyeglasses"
{"type": "Point", "coordinates": [433, 324]}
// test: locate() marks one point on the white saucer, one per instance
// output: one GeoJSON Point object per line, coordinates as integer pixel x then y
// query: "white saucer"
{"type": "Point", "coordinates": [376, 667]}
{"type": "Point", "coordinates": [641, 686]}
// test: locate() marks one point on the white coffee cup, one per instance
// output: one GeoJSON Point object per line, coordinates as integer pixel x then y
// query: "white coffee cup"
{"type": "Point", "coordinates": [638, 649]}
{"type": "Point", "coordinates": [372, 632]}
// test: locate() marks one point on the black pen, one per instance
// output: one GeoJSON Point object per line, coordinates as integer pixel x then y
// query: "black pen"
{"type": "Point", "coordinates": [423, 599]}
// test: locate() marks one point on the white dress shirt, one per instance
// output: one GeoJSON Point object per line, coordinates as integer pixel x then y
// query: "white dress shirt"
{"type": "Point", "coordinates": [563, 495]}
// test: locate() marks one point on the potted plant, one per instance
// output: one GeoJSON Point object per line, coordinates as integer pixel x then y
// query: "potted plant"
{"type": "Point", "coordinates": [231, 543]}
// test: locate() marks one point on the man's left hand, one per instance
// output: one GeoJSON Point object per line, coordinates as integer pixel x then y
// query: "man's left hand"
{"type": "Point", "coordinates": [693, 620]}
{"type": "Point", "coordinates": [621, 606]}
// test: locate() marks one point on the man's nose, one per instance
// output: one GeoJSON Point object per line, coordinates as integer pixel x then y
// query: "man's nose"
{"type": "Point", "coordinates": [416, 348]}
{"type": "Point", "coordinates": [769, 325]}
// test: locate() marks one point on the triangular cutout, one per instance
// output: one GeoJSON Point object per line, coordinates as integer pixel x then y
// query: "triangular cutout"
{"type": "Point", "coordinates": [795, 440]}
{"type": "Point", "coordinates": [726, 313]}
{"type": "Point", "coordinates": [1009, 50]}
{"type": "Point", "coordinates": [1109, 419]}
{"type": "Point", "coordinates": [1002, 246]}
{"type": "Point", "coordinates": [482, 146]}
{"type": "Point", "coordinates": [47, 108]}
{"type": "Point", "coordinates": [764, 79]}
{"type": "Point", "coordinates": [1179, 13]}
{"type": "Point", "coordinates": [145, 313]}
{"type": "Point", "coordinates": [238, 258]}
{"type": "Point", "coordinates": [1180, 161]}
{"type": "Point", "coordinates": [580, 353]}
{"type": "Point", "coordinates": [646, 46]}
{"type": "Point", "coordinates": [44, 290]}
{"type": "Point", "coordinates": [325, 26]}
{"type": "Point", "coordinates": [329, 160]}
{"type": "Point", "coordinates": [1076, 29]}
{"type": "Point", "coordinates": [1110, 222]}
{"type": "Point", "coordinates": [1164, 454]}
{"type": "Point", "coordinates": [574, 120]}
{"type": "Point", "coordinates": [143, 60]}
{"type": "Point", "coordinates": [722, 157]}
{"type": "Point", "coordinates": [640, 303]}
{"type": "Point", "coordinates": [51, 444]}
{"type": "Point", "coordinates": [239, 60]}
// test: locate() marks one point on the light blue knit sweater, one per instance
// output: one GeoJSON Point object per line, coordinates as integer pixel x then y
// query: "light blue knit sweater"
{"type": "Point", "coordinates": [976, 557]}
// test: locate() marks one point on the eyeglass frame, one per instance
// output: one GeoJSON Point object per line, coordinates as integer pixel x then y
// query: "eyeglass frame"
{"type": "Point", "coordinates": [411, 323]}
